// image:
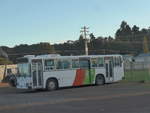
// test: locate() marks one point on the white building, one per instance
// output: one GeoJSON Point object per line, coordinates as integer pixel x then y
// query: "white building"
{"type": "Point", "coordinates": [143, 58]}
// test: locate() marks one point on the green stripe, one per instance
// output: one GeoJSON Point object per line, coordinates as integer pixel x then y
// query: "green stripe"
{"type": "Point", "coordinates": [89, 76]}
{"type": "Point", "coordinates": [92, 75]}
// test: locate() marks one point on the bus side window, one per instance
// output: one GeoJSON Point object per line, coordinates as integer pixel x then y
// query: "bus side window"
{"type": "Point", "coordinates": [59, 64]}
{"type": "Point", "coordinates": [84, 64]}
{"type": "Point", "coordinates": [100, 62]}
{"type": "Point", "coordinates": [49, 64]}
{"type": "Point", "coordinates": [63, 64]}
{"type": "Point", "coordinates": [66, 64]}
{"type": "Point", "coordinates": [75, 63]}
{"type": "Point", "coordinates": [94, 62]}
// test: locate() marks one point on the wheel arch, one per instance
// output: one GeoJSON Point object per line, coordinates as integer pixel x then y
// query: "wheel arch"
{"type": "Point", "coordinates": [52, 78]}
{"type": "Point", "coordinates": [100, 74]}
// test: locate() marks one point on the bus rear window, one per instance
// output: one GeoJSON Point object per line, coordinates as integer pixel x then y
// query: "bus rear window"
{"type": "Point", "coordinates": [117, 61]}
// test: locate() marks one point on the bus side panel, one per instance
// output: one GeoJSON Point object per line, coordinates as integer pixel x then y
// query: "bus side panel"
{"type": "Point", "coordinates": [84, 77]}
{"type": "Point", "coordinates": [89, 78]}
{"type": "Point", "coordinates": [64, 77]}
{"type": "Point", "coordinates": [79, 77]}
{"type": "Point", "coordinates": [92, 75]}
{"type": "Point", "coordinates": [100, 71]}
{"type": "Point", "coordinates": [74, 77]}
{"type": "Point", "coordinates": [118, 73]}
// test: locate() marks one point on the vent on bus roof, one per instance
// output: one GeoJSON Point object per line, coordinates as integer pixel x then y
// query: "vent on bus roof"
{"type": "Point", "coordinates": [29, 56]}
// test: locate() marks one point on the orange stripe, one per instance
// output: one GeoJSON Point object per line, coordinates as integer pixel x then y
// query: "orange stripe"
{"type": "Point", "coordinates": [80, 75]}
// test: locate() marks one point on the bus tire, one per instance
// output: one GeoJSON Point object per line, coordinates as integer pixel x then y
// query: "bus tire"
{"type": "Point", "coordinates": [51, 85]}
{"type": "Point", "coordinates": [100, 80]}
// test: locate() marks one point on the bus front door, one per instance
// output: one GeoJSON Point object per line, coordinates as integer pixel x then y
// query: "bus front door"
{"type": "Point", "coordinates": [109, 71]}
{"type": "Point", "coordinates": [37, 73]}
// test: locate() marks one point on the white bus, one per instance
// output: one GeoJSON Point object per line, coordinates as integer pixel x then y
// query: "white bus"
{"type": "Point", "coordinates": [54, 71]}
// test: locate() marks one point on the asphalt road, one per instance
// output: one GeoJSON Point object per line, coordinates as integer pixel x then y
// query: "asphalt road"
{"type": "Point", "coordinates": [111, 98]}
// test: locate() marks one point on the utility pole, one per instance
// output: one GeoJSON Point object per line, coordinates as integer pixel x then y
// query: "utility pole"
{"type": "Point", "coordinates": [84, 30]}
{"type": "Point", "coordinates": [145, 45]}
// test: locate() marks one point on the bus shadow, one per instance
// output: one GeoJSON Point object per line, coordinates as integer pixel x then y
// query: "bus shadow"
{"type": "Point", "coordinates": [45, 91]}
{"type": "Point", "coordinates": [59, 89]}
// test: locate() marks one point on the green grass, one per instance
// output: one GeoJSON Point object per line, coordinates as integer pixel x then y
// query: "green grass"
{"type": "Point", "coordinates": [137, 76]}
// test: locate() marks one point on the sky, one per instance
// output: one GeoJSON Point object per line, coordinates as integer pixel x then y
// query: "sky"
{"type": "Point", "coordinates": [56, 21]}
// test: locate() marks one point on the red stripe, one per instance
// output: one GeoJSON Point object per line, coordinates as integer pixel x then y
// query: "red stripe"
{"type": "Point", "coordinates": [80, 75]}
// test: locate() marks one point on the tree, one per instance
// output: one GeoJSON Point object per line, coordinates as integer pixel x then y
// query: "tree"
{"type": "Point", "coordinates": [135, 29]}
{"type": "Point", "coordinates": [144, 31]}
{"type": "Point", "coordinates": [92, 37]}
{"type": "Point", "coordinates": [124, 32]}
{"type": "Point", "coordinates": [123, 25]}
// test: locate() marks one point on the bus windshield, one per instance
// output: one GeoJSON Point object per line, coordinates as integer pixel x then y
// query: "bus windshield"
{"type": "Point", "coordinates": [23, 69]}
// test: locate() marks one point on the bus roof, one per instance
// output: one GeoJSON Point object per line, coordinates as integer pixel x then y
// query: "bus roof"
{"type": "Point", "coordinates": [54, 56]}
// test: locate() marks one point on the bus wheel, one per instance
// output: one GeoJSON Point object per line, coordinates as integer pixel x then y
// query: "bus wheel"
{"type": "Point", "coordinates": [100, 80]}
{"type": "Point", "coordinates": [51, 84]}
